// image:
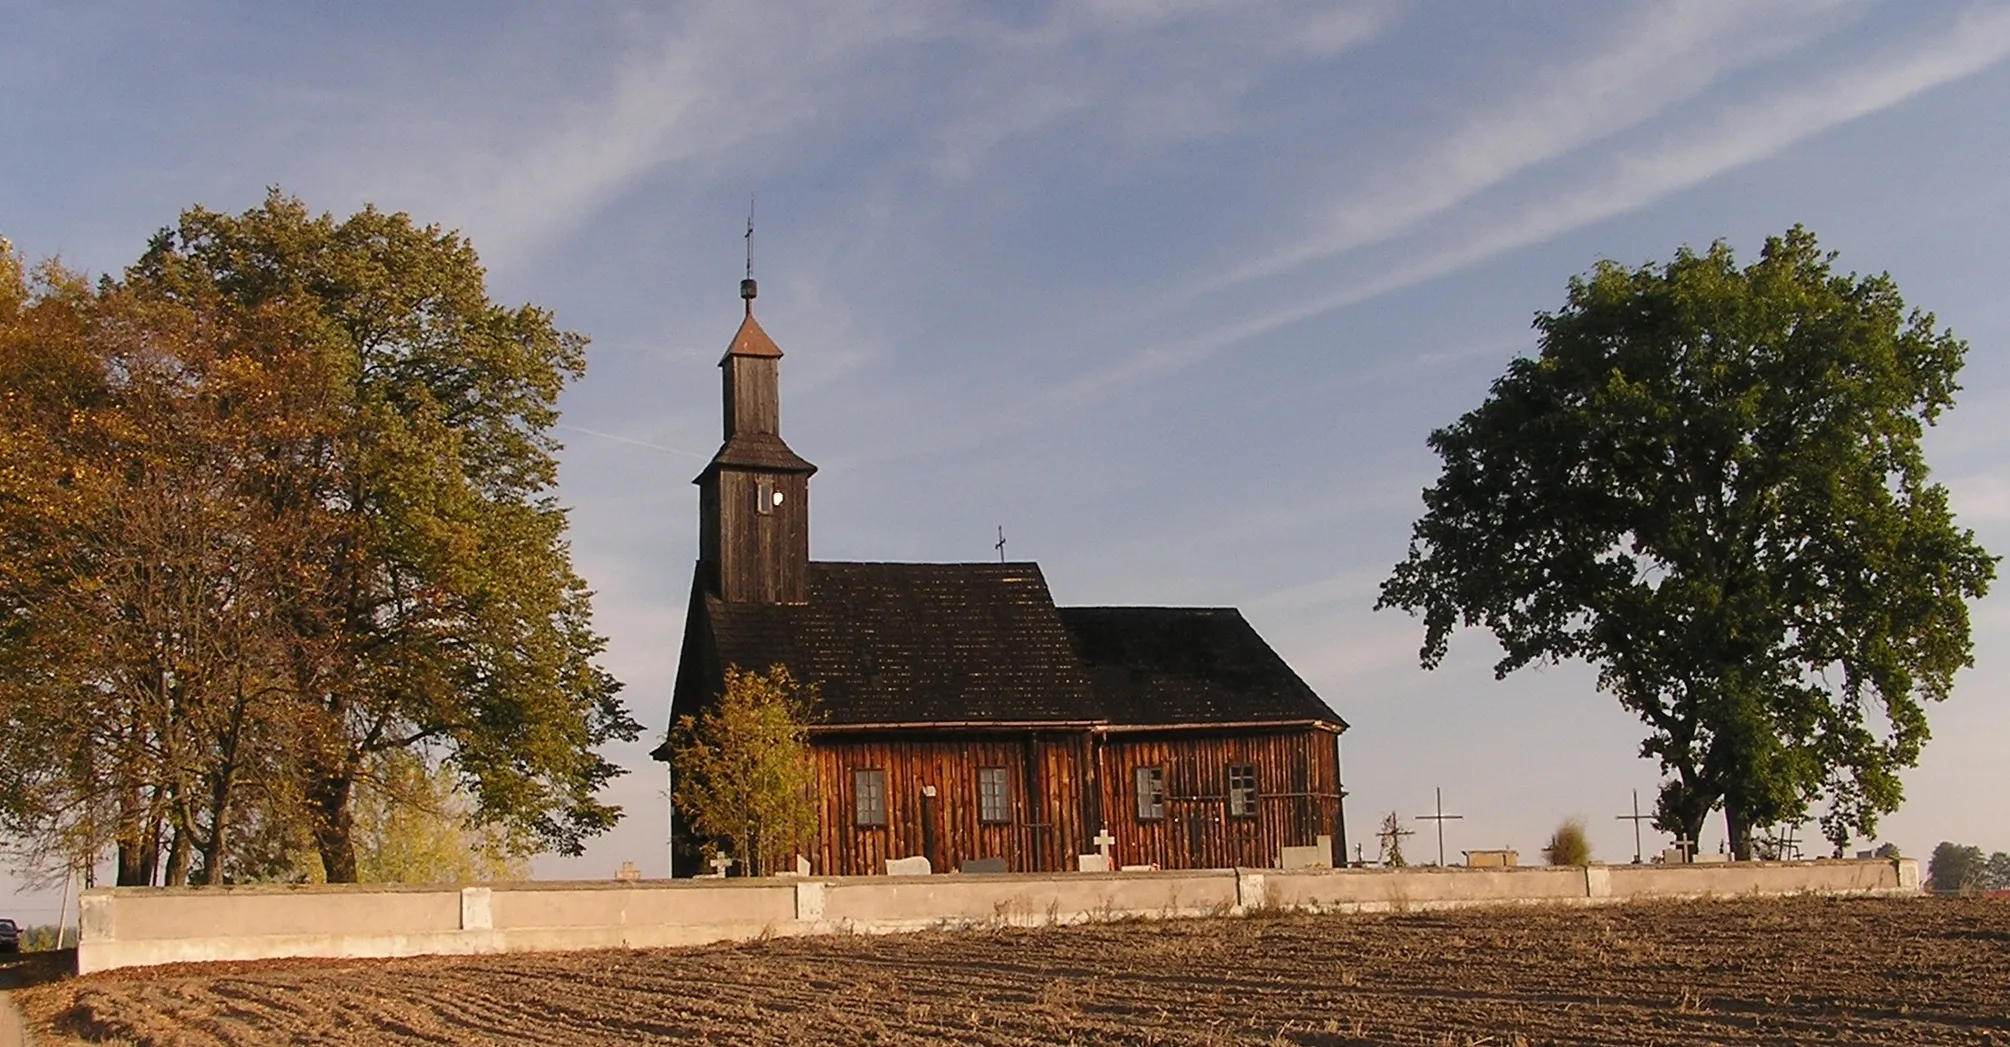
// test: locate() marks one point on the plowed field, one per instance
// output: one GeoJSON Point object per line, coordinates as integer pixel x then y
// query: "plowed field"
{"type": "Point", "coordinates": [1910, 971]}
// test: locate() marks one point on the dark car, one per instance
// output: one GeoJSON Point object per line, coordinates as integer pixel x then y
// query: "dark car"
{"type": "Point", "coordinates": [10, 937]}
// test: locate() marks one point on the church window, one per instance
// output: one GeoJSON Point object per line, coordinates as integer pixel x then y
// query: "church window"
{"type": "Point", "coordinates": [1242, 791]}
{"type": "Point", "coordinates": [1151, 793]}
{"type": "Point", "coordinates": [765, 496]}
{"type": "Point", "coordinates": [869, 797]}
{"type": "Point", "coordinates": [994, 801]}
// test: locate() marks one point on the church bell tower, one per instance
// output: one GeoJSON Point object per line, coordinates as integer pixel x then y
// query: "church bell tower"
{"type": "Point", "coordinates": [754, 497]}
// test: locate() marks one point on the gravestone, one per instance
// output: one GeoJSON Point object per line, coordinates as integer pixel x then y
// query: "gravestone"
{"type": "Point", "coordinates": [1504, 858]}
{"type": "Point", "coordinates": [1312, 857]}
{"type": "Point", "coordinates": [1152, 868]}
{"type": "Point", "coordinates": [719, 866]}
{"type": "Point", "coordinates": [800, 867]}
{"type": "Point", "coordinates": [1092, 863]}
{"type": "Point", "coordinates": [1104, 841]}
{"type": "Point", "coordinates": [628, 873]}
{"type": "Point", "coordinates": [915, 866]}
{"type": "Point", "coordinates": [982, 865]}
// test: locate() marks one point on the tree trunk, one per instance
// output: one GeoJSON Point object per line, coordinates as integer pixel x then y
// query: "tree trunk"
{"type": "Point", "coordinates": [150, 854]}
{"type": "Point", "coordinates": [132, 868]}
{"type": "Point", "coordinates": [222, 784]}
{"type": "Point", "coordinates": [219, 831]}
{"type": "Point", "coordinates": [177, 860]}
{"type": "Point", "coordinates": [1738, 829]}
{"type": "Point", "coordinates": [132, 872]}
{"type": "Point", "coordinates": [334, 827]}
{"type": "Point", "coordinates": [1682, 808]}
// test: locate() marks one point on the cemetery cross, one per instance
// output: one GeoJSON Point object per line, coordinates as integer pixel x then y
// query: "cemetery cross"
{"type": "Point", "coordinates": [1441, 818]}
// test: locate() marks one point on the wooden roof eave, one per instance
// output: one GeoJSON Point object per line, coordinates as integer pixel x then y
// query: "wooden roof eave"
{"type": "Point", "coordinates": [1091, 726]}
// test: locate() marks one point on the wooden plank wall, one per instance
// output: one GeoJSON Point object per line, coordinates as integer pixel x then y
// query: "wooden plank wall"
{"type": "Point", "coordinates": [1044, 779]}
{"type": "Point", "coordinates": [1298, 797]}
{"type": "Point", "coordinates": [760, 557]}
{"type": "Point", "coordinates": [1064, 786]}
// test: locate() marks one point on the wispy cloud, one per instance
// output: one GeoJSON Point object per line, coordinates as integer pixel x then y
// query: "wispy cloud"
{"type": "Point", "coordinates": [617, 438]}
{"type": "Point", "coordinates": [1668, 56]}
{"type": "Point", "coordinates": [1144, 75]}
{"type": "Point", "coordinates": [719, 77]}
{"type": "Point", "coordinates": [725, 83]}
{"type": "Point", "coordinates": [1738, 135]}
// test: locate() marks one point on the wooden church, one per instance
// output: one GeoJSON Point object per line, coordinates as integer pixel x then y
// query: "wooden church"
{"type": "Point", "coordinates": [967, 719]}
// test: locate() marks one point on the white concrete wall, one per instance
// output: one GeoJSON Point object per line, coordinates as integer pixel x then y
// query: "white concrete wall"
{"type": "Point", "coordinates": [139, 926]}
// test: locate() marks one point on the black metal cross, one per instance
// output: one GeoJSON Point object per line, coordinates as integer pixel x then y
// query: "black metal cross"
{"type": "Point", "coordinates": [1441, 818]}
{"type": "Point", "coordinates": [1000, 544]}
{"type": "Point", "coordinates": [1391, 838]}
{"type": "Point", "coordinates": [1790, 843]}
{"type": "Point", "coordinates": [1636, 818]}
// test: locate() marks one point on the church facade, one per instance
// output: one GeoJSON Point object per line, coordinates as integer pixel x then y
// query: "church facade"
{"type": "Point", "coordinates": [967, 719]}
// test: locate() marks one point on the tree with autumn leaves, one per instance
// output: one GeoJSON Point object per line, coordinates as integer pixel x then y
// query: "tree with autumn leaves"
{"type": "Point", "coordinates": [276, 512]}
{"type": "Point", "coordinates": [741, 769]}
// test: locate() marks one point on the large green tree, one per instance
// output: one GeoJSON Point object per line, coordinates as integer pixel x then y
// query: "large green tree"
{"type": "Point", "coordinates": [1709, 484]}
{"type": "Point", "coordinates": [443, 610]}
{"type": "Point", "coordinates": [278, 506]}
{"type": "Point", "coordinates": [140, 573]}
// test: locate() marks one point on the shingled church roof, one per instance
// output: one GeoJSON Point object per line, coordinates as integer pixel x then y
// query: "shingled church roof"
{"type": "Point", "coordinates": [1187, 665]}
{"type": "Point", "coordinates": [982, 644]}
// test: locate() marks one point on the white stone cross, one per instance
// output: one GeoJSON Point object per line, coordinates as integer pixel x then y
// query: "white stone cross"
{"type": "Point", "coordinates": [1104, 841]}
{"type": "Point", "coordinates": [720, 865]}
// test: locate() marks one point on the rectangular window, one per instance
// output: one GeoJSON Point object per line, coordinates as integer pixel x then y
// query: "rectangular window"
{"type": "Point", "coordinates": [1241, 791]}
{"type": "Point", "coordinates": [994, 801]}
{"type": "Point", "coordinates": [764, 495]}
{"type": "Point", "coordinates": [1151, 793]}
{"type": "Point", "coordinates": [868, 792]}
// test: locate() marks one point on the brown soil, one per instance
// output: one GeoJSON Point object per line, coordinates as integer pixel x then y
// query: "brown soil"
{"type": "Point", "coordinates": [1808, 970]}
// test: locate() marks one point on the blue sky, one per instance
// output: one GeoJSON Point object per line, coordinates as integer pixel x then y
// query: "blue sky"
{"type": "Point", "coordinates": [1172, 291]}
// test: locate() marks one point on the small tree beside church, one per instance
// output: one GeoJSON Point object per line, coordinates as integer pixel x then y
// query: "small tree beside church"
{"type": "Point", "coordinates": [740, 769]}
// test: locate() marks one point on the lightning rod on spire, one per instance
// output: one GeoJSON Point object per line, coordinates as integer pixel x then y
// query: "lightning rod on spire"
{"type": "Point", "coordinates": [747, 287]}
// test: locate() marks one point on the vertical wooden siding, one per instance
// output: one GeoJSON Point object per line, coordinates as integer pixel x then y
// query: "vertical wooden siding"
{"type": "Point", "coordinates": [1039, 814]}
{"type": "Point", "coordinates": [759, 557]}
{"type": "Point", "coordinates": [1064, 787]}
{"type": "Point", "coordinates": [1297, 785]}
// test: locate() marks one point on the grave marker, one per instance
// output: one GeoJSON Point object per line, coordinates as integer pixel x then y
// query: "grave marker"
{"type": "Point", "coordinates": [1441, 818]}
{"type": "Point", "coordinates": [915, 866]}
{"type": "Point", "coordinates": [1636, 818]}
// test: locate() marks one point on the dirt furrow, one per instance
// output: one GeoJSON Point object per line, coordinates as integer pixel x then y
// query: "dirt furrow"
{"type": "Point", "coordinates": [1734, 972]}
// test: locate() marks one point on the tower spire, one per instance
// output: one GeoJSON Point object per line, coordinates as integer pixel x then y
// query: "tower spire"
{"type": "Point", "coordinates": [747, 287]}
